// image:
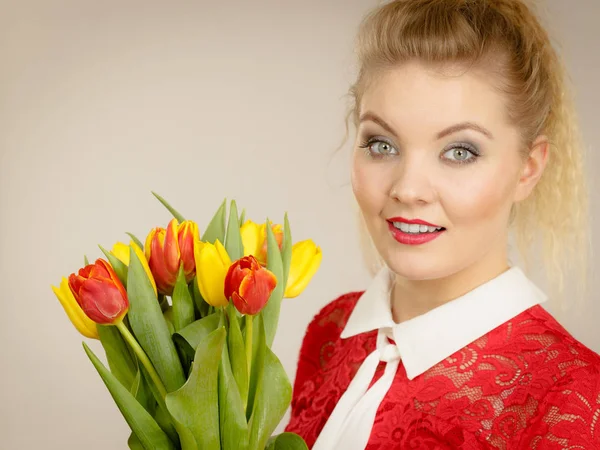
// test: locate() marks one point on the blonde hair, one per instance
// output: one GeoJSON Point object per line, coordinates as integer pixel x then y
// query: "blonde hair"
{"type": "Point", "coordinates": [503, 36]}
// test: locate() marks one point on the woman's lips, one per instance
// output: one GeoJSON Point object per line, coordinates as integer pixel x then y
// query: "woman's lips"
{"type": "Point", "coordinates": [414, 238]}
{"type": "Point", "coordinates": [412, 221]}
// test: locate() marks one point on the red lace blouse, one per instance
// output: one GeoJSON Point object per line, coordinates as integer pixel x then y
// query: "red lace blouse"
{"type": "Point", "coordinates": [527, 384]}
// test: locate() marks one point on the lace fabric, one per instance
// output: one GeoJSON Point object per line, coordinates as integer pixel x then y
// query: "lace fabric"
{"type": "Point", "coordinates": [526, 384]}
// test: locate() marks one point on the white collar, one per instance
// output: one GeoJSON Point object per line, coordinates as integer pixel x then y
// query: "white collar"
{"type": "Point", "coordinates": [426, 340]}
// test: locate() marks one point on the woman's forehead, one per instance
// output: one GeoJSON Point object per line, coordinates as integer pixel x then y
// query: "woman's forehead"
{"type": "Point", "coordinates": [413, 94]}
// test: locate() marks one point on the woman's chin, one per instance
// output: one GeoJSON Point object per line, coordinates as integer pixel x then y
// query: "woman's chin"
{"type": "Point", "coordinates": [419, 269]}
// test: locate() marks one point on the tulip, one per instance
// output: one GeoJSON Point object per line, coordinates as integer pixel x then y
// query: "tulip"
{"type": "Point", "coordinates": [99, 293]}
{"type": "Point", "coordinates": [82, 323]}
{"type": "Point", "coordinates": [212, 263]}
{"type": "Point", "coordinates": [249, 285]}
{"type": "Point", "coordinates": [168, 249]}
{"type": "Point", "coordinates": [254, 239]}
{"type": "Point", "coordinates": [306, 259]}
{"type": "Point", "coordinates": [121, 252]}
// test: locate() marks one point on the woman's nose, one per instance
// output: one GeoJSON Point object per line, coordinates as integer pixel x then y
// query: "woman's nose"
{"type": "Point", "coordinates": [412, 183]}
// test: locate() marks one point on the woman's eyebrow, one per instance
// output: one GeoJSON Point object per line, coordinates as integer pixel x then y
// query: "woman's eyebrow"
{"type": "Point", "coordinates": [372, 117]}
{"type": "Point", "coordinates": [464, 126]}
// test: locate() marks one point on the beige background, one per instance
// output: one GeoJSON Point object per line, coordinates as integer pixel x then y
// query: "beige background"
{"type": "Point", "coordinates": [103, 101]}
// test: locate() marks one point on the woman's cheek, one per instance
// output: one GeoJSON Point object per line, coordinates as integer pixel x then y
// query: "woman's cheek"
{"type": "Point", "coordinates": [481, 198]}
{"type": "Point", "coordinates": [368, 188]}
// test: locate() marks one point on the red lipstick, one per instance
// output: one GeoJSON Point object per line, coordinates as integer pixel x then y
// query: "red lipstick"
{"type": "Point", "coordinates": [412, 221]}
{"type": "Point", "coordinates": [413, 238]}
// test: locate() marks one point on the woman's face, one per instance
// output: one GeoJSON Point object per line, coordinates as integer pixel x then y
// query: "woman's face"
{"type": "Point", "coordinates": [436, 169]}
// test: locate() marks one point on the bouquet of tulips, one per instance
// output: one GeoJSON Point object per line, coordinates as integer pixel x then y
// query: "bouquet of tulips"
{"type": "Point", "coordinates": [187, 321]}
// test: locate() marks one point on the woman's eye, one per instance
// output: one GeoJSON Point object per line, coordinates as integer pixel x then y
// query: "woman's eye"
{"type": "Point", "coordinates": [460, 154]}
{"type": "Point", "coordinates": [379, 148]}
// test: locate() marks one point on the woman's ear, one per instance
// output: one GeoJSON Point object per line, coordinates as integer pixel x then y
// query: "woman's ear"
{"type": "Point", "coordinates": [533, 168]}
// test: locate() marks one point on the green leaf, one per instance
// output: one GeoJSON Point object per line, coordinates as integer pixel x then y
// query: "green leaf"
{"type": "Point", "coordinates": [258, 357]}
{"type": "Point", "coordinates": [286, 441]}
{"type": "Point", "coordinates": [168, 315]}
{"type": "Point", "coordinates": [195, 406]}
{"type": "Point", "coordinates": [286, 250]}
{"type": "Point", "coordinates": [195, 332]}
{"type": "Point", "coordinates": [237, 353]}
{"type": "Point", "coordinates": [272, 398]}
{"type": "Point", "coordinates": [216, 227]}
{"type": "Point", "coordinates": [172, 210]}
{"type": "Point", "coordinates": [119, 268]}
{"type": "Point", "coordinates": [233, 241]}
{"type": "Point", "coordinates": [149, 326]}
{"type": "Point", "coordinates": [232, 415]}
{"type": "Point", "coordinates": [243, 216]}
{"type": "Point", "coordinates": [85, 261]}
{"type": "Point", "coordinates": [136, 240]}
{"type": "Point", "coordinates": [134, 442]}
{"type": "Point", "coordinates": [141, 423]}
{"type": "Point", "coordinates": [183, 305]}
{"type": "Point", "coordinates": [163, 419]}
{"type": "Point", "coordinates": [270, 312]}
{"type": "Point", "coordinates": [200, 303]}
{"type": "Point", "coordinates": [158, 408]}
{"type": "Point", "coordinates": [142, 393]}
{"type": "Point", "coordinates": [121, 364]}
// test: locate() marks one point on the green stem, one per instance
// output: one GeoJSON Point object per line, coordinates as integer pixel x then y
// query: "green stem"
{"type": "Point", "coordinates": [249, 343]}
{"type": "Point", "coordinates": [139, 351]}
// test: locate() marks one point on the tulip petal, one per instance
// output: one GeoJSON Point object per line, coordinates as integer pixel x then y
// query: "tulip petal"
{"type": "Point", "coordinates": [148, 243]}
{"type": "Point", "coordinates": [165, 280]}
{"type": "Point", "coordinates": [102, 301]}
{"type": "Point", "coordinates": [306, 259]}
{"type": "Point", "coordinates": [236, 273]}
{"type": "Point", "coordinates": [212, 264]}
{"type": "Point", "coordinates": [186, 235]}
{"type": "Point", "coordinates": [113, 277]}
{"type": "Point", "coordinates": [255, 290]}
{"type": "Point", "coordinates": [121, 252]}
{"type": "Point", "coordinates": [82, 323]}
{"type": "Point", "coordinates": [252, 239]}
{"type": "Point", "coordinates": [171, 253]}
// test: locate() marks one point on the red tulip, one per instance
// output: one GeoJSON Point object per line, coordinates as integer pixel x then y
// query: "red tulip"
{"type": "Point", "coordinates": [99, 293]}
{"type": "Point", "coordinates": [249, 285]}
{"type": "Point", "coordinates": [167, 249]}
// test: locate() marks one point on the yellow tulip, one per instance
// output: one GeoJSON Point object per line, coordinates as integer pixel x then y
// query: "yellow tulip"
{"type": "Point", "coordinates": [254, 239]}
{"type": "Point", "coordinates": [121, 252]}
{"type": "Point", "coordinates": [212, 264]}
{"type": "Point", "coordinates": [306, 259]}
{"type": "Point", "coordinates": [78, 318]}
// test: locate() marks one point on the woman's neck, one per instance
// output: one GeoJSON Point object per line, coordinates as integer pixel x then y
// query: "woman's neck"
{"type": "Point", "coordinates": [412, 298]}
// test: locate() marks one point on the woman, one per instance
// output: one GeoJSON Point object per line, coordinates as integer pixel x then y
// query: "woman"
{"type": "Point", "coordinates": [464, 133]}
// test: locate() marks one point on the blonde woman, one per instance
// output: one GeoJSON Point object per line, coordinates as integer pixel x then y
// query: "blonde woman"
{"type": "Point", "coordinates": [465, 134]}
